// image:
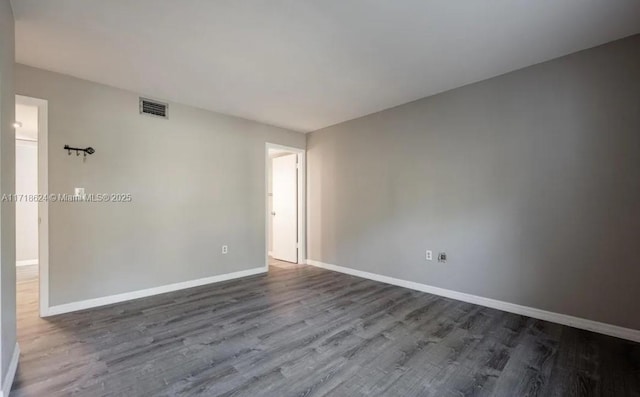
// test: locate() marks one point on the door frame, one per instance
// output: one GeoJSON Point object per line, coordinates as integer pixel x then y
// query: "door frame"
{"type": "Point", "coordinates": [43, 192]}
{"type": "Point", "coordinates": [302, 201]}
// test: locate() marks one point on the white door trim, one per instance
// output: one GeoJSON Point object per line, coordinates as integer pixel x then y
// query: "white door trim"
{"type": "Point", "coordinates": [302, 201]}
{"type": "Point", "coordinates": [7, 382]}
{"type": "Point", "coordinates": [43, 191]}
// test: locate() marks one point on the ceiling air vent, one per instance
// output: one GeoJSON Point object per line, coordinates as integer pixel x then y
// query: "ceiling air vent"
{"type": "Point", "coordinates": [154, 108]}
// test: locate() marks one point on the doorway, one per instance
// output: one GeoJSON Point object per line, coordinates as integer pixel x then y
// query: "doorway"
{"type": "Point", "coordinates": [26, 185]}
{"type": "Point", "coordinates": [31, 204]}
{"type": "Point", "coordinates": [285, 206]}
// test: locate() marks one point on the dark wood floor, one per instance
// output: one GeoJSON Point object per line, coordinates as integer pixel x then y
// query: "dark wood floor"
{"type": "Point", "coordinates": [303, 331]}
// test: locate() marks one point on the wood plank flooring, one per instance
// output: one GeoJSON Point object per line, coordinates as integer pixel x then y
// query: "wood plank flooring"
{"type": "Point", "coordinates": [304, 331]}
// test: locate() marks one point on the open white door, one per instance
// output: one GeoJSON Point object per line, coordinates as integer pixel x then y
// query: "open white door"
{"type": "Point", "coordinates": [285, 208]}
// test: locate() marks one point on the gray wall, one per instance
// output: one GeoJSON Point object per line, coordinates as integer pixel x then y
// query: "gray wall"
{"type": "Point", "coordinates": [7, 186]}
{"type": "Point", "coordinates": [529, 181]}
{"type": "Point", "coordinates": [197, 181]}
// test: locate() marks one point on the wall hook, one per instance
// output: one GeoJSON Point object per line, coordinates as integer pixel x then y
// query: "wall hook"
{"type": "Point", "coordinates": [88, 150]}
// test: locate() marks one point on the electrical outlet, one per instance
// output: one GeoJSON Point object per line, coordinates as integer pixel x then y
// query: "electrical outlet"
{"type": "Point", "coordinates": [429, 255]}
{"type": "Point", "coordinates": [442, 257]}
{"type": "Point", "coordinates": [79, 194]}
{"type": "Point", "coordinates": [225, 249]}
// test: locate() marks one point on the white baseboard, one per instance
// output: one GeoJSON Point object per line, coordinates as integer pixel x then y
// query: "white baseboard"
{"type": "Point", "coordinates": [27, 262]}
{"type": "Point", "coordinates": [7, 382]}
{"type": "Point", "coordinates": [127, 296]}
{"type": "Point", "coordinates": [564, 319]}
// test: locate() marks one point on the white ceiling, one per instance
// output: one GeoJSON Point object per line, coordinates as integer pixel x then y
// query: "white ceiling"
{"type": "Point", "coordinates": [279, 152]}
{"type": "Point", "coordinates": [306, 64]}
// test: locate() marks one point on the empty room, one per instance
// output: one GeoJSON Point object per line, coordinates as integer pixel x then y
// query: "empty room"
{"type": "Point", "coordinates": [319, 198]}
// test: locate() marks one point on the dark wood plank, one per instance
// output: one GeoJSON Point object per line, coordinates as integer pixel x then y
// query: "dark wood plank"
{"type": "Point", "coordinates": [303, 331]}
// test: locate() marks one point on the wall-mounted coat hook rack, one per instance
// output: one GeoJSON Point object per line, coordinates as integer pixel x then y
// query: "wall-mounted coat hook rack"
{"type": "Point", "coordinates": [88, 150]}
